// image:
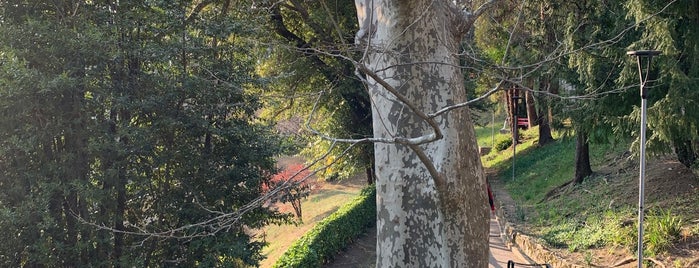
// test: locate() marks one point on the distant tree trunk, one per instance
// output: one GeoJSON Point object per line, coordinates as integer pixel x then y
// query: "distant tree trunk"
{"type": "Point", "coordinates": [553, 89]}
{"type": "Point", "coordinates": [582, 158]}
{"type": "Point", "coordinates": [684, 152]}
{"type": "Point", "coordinates": [544, 115]}
{"type": "Point", "coordinates": [432, 206]}
{"type": "Point", "coordinates": [296, 204]}
{"type": "Point", "coordinates": [507, 94]}
{"type": "Point", "coordinates": [531, 109]}
{"type": "Point", "coordinates": [512, 111]}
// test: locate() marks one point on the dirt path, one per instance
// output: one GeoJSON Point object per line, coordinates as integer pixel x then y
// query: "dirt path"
{"type": "Point", "coordinates": [361, 254]}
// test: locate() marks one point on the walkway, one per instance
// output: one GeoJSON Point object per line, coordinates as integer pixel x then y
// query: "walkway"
{"type": "Point", "coordinates": [362, 253]}
{"type": "Point", "coordinates": [500, 253]}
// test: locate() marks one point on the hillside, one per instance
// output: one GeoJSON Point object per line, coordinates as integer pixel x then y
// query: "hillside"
{"type": "Point", "coordinates": [594, 224]}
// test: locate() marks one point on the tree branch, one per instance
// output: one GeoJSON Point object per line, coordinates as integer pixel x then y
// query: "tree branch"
{"type": "Point", "coordinates": [467, 17]}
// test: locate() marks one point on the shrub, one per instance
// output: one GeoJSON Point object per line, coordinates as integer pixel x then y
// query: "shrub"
{"type": "Point", "coordinates": [661, 230]}
{"type": "Point", "coordinates": [333, 233]}
{"type": "Point", "coordinates": [503, 144]}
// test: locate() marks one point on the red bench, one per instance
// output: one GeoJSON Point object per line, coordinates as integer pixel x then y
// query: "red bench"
{"type": "Point", "coordinates": [523, 122]}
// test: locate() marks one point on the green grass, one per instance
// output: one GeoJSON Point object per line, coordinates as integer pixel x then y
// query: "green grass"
{"type": "Point", "coordinates": [582, 217]}
{"type": "Point", "coordinates": [315, 208]}
{"type": "Point", "coordinates": [489, 134]}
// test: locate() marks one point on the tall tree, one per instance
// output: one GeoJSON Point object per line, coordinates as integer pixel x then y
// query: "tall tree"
{"type": "Point", "coordinates": [432, 207]}
{"type": "Point", "coordinates": [520, 40]}
{"type": "Point", "coordinates": [132, 117]}
{"type": "Point", "coordinates": [594, 28]}
{"type": "Point", "coordinates": [672, 114]}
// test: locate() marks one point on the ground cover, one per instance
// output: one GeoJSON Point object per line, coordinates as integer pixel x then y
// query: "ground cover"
{"type": "Point", "coordinates": [594, 223]}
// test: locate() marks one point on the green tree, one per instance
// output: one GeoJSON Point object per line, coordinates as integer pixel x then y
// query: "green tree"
{"type": "Point", "coordinates": [519, 40]}
{"type": "Point", "coordinates": [129, 136]}
{"type": "Point", "coordinates": [673, 112]}
{"type": "Point", "coordinates": [600, 36]}
{"type": "Point", "coordinates": [307, 72]}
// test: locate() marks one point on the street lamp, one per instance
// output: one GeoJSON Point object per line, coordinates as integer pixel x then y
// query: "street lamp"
{"type": "Point", "coordinates": [640, 56]}
{"type": "Point", "coordinates": [515, 138]}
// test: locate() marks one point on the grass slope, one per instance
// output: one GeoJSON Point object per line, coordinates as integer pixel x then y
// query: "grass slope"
{"type": "Point", "coordinates": [593, 223]}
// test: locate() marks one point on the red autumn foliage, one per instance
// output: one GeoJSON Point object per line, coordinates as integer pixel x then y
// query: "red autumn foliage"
{"type": "Point", "coordinates": [294, 184]}
{"type": "Point", "coordinates": [287, 175]}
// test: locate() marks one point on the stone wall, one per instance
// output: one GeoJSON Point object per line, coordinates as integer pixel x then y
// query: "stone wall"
{"type": "Point", "coordinates": [529, 245]}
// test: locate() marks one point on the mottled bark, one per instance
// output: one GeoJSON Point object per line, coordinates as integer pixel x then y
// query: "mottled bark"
{"type": "Point", "coordinates": [413, 49]}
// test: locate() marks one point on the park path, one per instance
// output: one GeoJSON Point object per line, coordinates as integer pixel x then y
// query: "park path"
{"type": "Point", "coordinates": [500, 252]}
{"type": "Point", "coordinates": [362, 253]}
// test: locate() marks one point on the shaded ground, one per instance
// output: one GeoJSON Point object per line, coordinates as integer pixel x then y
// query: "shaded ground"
{"type": "Point", "coordinates": [669, 185]}
{"type": "Point", "coordinates": [361, 254]}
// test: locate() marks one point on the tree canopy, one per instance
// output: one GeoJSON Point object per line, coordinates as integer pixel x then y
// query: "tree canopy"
{"type": "Point", "coordinates": [126, 127]}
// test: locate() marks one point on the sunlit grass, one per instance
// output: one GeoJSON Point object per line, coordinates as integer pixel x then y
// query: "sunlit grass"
{"type": "Point", "coordinates": [315, 208]}
{"type": "Point", "coordinates": [488, 135]}
{"type": "Point", "coordinates": [580, 217]}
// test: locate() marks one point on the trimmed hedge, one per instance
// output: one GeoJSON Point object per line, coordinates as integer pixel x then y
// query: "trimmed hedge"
{"type": "Point", "coordinates": [332, 234]}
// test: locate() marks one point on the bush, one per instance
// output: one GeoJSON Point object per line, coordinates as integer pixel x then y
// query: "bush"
{"type": "Point", "coordinates": [503, 144]}
{"type": "Point", "coordinates": [661, 230]}
{"type": "Point", "coordinates": [332, 234]}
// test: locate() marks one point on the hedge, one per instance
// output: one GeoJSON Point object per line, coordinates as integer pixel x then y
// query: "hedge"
{"type": "Point", "coordinates": [331, 235]}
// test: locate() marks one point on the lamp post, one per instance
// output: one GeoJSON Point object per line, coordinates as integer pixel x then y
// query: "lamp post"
{"type": "Point", "coordinates": [640, 56]}
{"type": "Point", "coordinates": [515, 138]}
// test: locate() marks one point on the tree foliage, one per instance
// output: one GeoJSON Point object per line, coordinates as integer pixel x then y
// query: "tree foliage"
{"type": "Point", "coordinates": [673, 112]}
{"type": "Point", "coordinates": [123, 121]}
{"type": "Point", "coordinates": [310, 79]}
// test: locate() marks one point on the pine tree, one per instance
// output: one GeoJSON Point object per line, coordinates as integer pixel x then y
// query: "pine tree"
{"type": "Point", "coordinates": [673, 112]}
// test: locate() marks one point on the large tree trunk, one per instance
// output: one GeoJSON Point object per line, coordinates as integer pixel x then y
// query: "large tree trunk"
{"type": "Point", "coordinates": [423, 220]}
{"type": "Point", "coordinates": [582, 158]}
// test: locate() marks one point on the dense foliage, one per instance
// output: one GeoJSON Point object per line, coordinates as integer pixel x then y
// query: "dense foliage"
{"type": "Point", "coordinates": [312, 83]}
{"type": "Point", "coordinates": [579, 49]}
{"type": "Point", "coordinates": [125, 127]}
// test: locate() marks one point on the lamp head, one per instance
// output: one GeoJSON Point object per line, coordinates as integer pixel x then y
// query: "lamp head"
{"type": "Point", "coordinates": [643, 53]}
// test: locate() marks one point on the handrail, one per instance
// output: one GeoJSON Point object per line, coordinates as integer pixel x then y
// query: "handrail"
{"type": "Point", "coordinates": [511, 264]}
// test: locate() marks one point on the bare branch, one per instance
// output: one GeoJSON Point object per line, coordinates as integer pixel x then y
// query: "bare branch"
{"type": "Point", "coordinates": [469, 17]}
